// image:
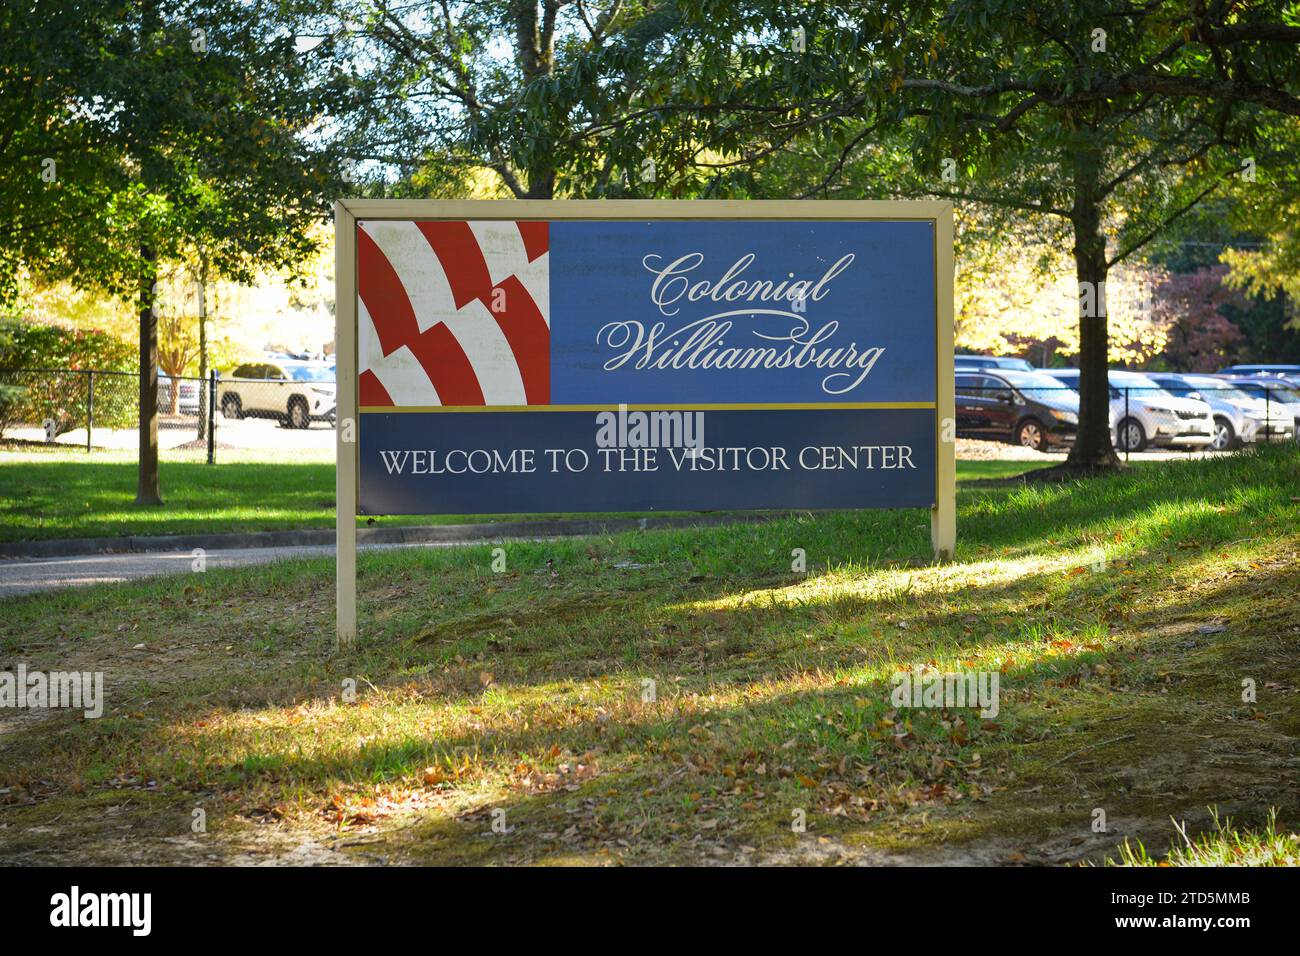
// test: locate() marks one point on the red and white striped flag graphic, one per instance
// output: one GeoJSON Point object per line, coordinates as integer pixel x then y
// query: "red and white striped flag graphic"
{"type": "Point", "coordinates": [453, 313]}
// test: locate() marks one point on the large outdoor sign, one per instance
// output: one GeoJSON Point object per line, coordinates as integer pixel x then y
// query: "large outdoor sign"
{"type": "Point", "coordinates": [502, 357]}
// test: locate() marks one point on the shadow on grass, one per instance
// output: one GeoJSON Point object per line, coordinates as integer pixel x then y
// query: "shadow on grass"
{"type": "Point", "coordinates": [691, 756]}
{"type": "Point", "coordinates": [1053, 706]}
{"type": "Point", "coordinates": [1172, 737]}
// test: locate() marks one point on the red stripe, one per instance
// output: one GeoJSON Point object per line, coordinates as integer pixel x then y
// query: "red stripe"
{"type": "Point", "coordinates": [536, 236]}
{"type": "Point", "coordinates": [523, 325]}
{"type": "Point", "coordinates": [386, 301]}
{"type": "Point", "coordinates": [372, 391]}
{"type": "Point", "coordinates": [529, 337]}
{"type": "Point", "coordinates": [437, 350]}
{"type": "Point", "coordinates": [462, 260]}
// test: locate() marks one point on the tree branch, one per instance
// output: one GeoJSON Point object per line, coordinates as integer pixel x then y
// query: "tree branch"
{"type": "Point", "coordinates": [1154, 232]}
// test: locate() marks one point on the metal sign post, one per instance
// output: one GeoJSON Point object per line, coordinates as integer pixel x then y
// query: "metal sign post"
{"type": "Point", "coordinates": [345, 376]}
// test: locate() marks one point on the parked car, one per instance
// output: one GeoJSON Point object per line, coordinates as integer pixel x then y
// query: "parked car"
{"type": "Point", "coordinates": [187, 402]}
{"type": "Point", "coordinates": [295, 393]}
{"type": "Point", "coordinates": [1274, 392]}
{"type": "Point", "coordinates": [1027, 408]}
{"type": "Point", "coordinates": [1146, 414]}
{"type": "Point", "coordinates": [1239, 418]}
{"type": "Point", "coordinates": [1288, 370]}
{"type": "Point", "coordinates": [992, 361]}
{"type": "Point", "coordinates": [1288, 380]}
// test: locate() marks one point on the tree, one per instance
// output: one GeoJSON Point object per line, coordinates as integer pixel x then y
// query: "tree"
{"type": "Point", "coordinates": [1014, 295]}
{"type": "Point", "coordinates": [58, 166]}
{"type": "Point", "coordinates": [202, 274]}
{"type": "Point", "coordinates": [450, 89]}
{"type": "Point", "coordinates": [205, 122]}
{"type": "Point", "coordinates": [1200, 335]}
{"type": "Point", "coordinates": [1112, 118]}
{"type": "Point", "coordinates": [178, 343]}
{"type": "Point", "coordinates": [1270, 267]}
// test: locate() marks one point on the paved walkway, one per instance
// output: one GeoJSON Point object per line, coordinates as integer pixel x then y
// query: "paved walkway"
{"type": "Point", "coordinates": [26, 575]}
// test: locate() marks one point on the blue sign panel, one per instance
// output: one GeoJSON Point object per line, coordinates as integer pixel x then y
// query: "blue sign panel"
{"type": "Point", "coordinates": [743, 311]}
{"type": "Point", "coordinates": [624, 365]}
{"type": "Point", "coordinates": [505, 462]}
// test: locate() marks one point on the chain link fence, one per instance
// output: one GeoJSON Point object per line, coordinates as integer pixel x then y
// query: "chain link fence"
{"type": "Point", "coordinates": [99, 410]}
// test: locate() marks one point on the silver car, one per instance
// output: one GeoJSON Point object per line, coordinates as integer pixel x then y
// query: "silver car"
{"type": "Point", "coordinates": [1275, 392]}
{"type": "Point", "coordinates": [1239, 418]}
{"type": "Point", "coordinates": [1147, 414]}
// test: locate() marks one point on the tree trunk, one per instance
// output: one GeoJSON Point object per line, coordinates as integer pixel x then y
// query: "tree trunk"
{"type": "Point", "coordinates": [147, 491]}
{"type": "Point", "coordinates": [541, 181]}
{"type": "Point", "coordinates": [1093, 450]}
{"type": "Point", "coordinates": [535, 57]}
{"type": "Point", "coordinates": [203, 347]}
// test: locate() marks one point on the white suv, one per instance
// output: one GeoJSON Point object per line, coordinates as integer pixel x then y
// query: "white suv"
{"type": "Point", "coordinates": [1149, 415]}
{"type": "Point", "coordinates": [1239, 418]}
{"type": "Point", "coordinates": [295, 393]}
{"type": "Point", "coordinates": [1277, 394]}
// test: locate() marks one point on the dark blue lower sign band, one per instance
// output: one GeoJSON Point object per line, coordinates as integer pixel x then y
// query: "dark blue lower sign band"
{"type": "Point", "coordinates": [497, 462]}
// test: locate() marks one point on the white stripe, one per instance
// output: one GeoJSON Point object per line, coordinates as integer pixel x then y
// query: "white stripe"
{"type": "Point", "coordinates": [401, 373]}
{"type": "Point", "coordinates": [505, 254]}
{"type": "Point", "coordinates": [493, 359]}
{"type": "Point", "coordinates": [474, 327]}
{"type": "Point", "coordinates": [417, 268]}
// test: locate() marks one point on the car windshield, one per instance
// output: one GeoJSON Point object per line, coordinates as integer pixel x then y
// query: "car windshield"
{"type": "Point", "coordinates": [1213, 388]}
{"type": "Point", "coordinates": [1037, 382]}
{"type": "Point", "coordinates": [1275, 392]}
{"type": "Point", "coordinates": [1139, 385]}
{"type": "Point", "coordinates": [1175, 385]}
{"type": "Point", "coordinates": [311, 373]}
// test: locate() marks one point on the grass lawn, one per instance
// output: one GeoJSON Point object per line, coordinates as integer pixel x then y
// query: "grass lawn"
{"type": "Point", "coordinates": [1224, 845]}
{"type": "Point", "coordinates": [58, 493]}
{"type": "Point", "coordinates": [682, 696]}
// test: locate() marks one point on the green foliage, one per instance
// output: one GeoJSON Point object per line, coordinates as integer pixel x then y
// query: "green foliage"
{"type": "Point", "coordinates": [169, 125]}
{"type": "Point", "coordinates": [1111, 118]}
{"type": "Point", "coordinates": [882, 96]}
{"type": "Point", "coordinates": [42, 377]}
{"type": "Point", "coordinates": [1269, 210]}
{"type": "Point", "coordinates": [48, 62]}
{"type": "Point", "coordinates": [24, 346]}
{"type": "Point", "coordinates": [520, 89]}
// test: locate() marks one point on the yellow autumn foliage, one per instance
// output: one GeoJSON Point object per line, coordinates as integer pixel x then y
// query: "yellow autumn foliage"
{"type": "Point", "coordinates": [1021, 298]}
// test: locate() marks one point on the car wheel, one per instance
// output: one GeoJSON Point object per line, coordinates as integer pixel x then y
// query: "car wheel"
{"type": "Point", "coordinates": [1225, 436]}
{"type": "Point", "coordinates": [232, 407]}
{"type": "Point", "coordinates": [299, 417]}
{"type": "Point", "coordinates": [1132, 436]}
{"type": "Point", "coordinates": [1030, 434]}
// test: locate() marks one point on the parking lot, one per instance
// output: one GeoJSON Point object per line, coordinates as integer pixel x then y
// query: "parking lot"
{"type": "Point", "coordinates": [971, 449]}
